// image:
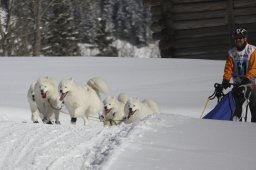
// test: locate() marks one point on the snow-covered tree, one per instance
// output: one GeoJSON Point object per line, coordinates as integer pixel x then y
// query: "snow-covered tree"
{"type": "Point", "coordinates": [60, 35]}
{"type": "Point", "coordinates": [104, 40]}
{"type": "Point", "coordinates": [128, 20]}
{"type": "Point", "coordinates": [92, 27]}
{"type": "Point", "coordinates": [3, 15]}
{"type": "Point", "coordinates": [9, 39]}
{"type": "Point", "coordinates": [104, 21]}
{"type": "Point", "coordinates": [56, 27]}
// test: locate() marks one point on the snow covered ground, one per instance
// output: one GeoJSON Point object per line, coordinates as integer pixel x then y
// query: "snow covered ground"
{"type": "Point", "coordinates": [174, 140]}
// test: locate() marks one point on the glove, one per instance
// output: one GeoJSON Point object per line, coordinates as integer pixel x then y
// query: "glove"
{"type": "Point", "coordinates": [238, 91]}
{"type": "Point", "coordinates": [245, 81]}
{"type": "Point", "coordinates": [225, 84]}
{"type": "Point", "coordinates": [218, 90]}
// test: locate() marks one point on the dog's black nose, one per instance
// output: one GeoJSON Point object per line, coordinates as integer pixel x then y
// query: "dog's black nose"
{"type": "Point", "coordinates": [61, 91]}
{"type": "Point", "coordinates": [130, 109]}
{"type": "Point", "coordinates": [105, 107]}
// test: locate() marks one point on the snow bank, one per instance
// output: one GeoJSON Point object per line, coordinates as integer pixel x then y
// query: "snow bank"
{"type": "Point", "coordinates": [124, 49]}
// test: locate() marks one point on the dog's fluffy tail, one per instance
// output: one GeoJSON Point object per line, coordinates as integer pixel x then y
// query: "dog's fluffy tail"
{"type": "Point", "coordinates": [123, 98]}
{"type": "Point", "coordinates": [99, 85]}
{"type": "Point", "coordinates": [152, 105]}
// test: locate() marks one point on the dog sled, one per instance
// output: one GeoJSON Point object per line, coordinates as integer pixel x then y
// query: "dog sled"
{"type": "Point", "coordinates": [225, 106]}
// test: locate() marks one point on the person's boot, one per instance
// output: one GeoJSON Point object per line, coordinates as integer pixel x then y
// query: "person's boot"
{"type": "Point", "coordinates": [253, 114]}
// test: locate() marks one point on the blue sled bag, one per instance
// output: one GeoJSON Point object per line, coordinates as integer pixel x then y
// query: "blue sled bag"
{"type": "Point", "coordinates": [223, 110]}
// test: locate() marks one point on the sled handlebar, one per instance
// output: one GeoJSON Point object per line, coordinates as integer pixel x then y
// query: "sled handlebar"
{"type": "Point", "coordinates": [218, 92]}
{"type": "Point", "coordinates": [218, 85]}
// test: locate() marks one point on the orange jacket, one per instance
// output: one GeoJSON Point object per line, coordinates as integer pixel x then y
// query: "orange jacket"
{"type": "Point", "coordinates": [248, 55]}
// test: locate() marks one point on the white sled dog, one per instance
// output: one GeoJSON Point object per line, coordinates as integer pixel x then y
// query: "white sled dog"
{"type": "Point", "coordinates": [35, 114]}
{"type": "Point", "coordinates": [83, 100]}
{"type": "Point", "coordinates": [44, 101]}
{"type": "Point", "coordinates": [135, 109]}
{"type": "Point", "coordinates": [113, 113]}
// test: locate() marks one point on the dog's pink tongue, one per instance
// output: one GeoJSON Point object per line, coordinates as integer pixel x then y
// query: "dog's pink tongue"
{"type": "Point", "coordinates": [62, 96]}
{"type": "Point", "coordinates": [106, 111]}
{"type": "Point", "coordinates": [44, 95]}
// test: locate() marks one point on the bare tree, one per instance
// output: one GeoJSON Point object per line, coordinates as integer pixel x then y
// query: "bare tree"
{"type": "Point", "coordinates": [37, 27]}
{"type": "Point", "coordinates": [15, 32]}
{"type": "Point", "coordinates": [7, 25]}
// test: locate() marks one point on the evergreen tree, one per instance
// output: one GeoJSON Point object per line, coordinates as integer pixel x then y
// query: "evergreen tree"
{"type": "Point", "coordinates": [63, 24]}
{"type": "Point", "coordinates": [92, 28]}
{"type": "Point", "coordinates": [104, 40]}
{"type": "Point", "coordinates": [90, 20]}
{"type": "Point", "coordinates": [128, 20]}
{"type": "Point", "coordinates": [60, 36]}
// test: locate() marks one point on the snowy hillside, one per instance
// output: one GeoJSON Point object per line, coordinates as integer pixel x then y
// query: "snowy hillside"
{"type": "Point", "coordinates": [173, 140]}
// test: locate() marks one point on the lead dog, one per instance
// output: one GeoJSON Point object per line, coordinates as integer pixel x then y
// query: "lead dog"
{"type": "Point", "coordinates": [82, 100]}
{"type": "Point", "coordinates": [44, 101]}
{"type": "Point", "coordinates": [35, 114]}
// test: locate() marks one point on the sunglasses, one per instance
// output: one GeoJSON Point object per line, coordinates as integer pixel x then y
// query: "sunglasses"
{"type": "Point", "coordinates": [239, 37]}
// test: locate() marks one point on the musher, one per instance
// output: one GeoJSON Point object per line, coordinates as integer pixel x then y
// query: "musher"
{"type": "Point", "coordinates": [241, 67]}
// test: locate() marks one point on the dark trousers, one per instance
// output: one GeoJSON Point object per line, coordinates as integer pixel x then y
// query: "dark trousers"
{"type": "Point", "coordinates": [240, 98]}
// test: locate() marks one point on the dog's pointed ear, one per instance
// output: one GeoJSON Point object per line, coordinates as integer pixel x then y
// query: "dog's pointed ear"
{"type": "Point", "coordinates": [32, 85]}
{"type": "Point", "coordinates": [33, 82]}
{"type": "Point", "coordinates": [86, 88]}
{"type": "Point", "coordinates": [137, 99]}
{"type": "Point", "coordinates": [130, 99]}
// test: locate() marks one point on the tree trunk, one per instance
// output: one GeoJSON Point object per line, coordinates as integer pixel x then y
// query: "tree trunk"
{"type": "Point", "coordinates": [37, 31]}
{"type": "Point", "coordinates": [7, 29]}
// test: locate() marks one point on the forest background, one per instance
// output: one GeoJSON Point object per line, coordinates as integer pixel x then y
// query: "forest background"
{"type": "Point", "coordinates": [74, 27]}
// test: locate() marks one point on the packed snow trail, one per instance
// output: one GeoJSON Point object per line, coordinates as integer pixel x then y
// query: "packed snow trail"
{"type": "Point", "coordinates": [52, 147]}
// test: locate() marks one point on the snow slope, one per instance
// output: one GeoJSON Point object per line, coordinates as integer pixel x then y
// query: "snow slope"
{"type": "Point", "coordinates": [174, 140]}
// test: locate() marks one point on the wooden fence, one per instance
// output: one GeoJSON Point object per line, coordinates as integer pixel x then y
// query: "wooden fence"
{"type": "Point", "coordinates": [200, 28]}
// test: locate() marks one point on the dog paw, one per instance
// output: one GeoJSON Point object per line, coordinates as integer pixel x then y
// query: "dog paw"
{"type": "Point", "coordinates": [101, 117]}
{"type": "Point", "coordinates": [236, 119]}
{"type": "Point", "coordinates": [49, 123]}
{"type": "Point", "coordinates": [57, 122]}
{"type": "Point", "coordinates": [73, 120]}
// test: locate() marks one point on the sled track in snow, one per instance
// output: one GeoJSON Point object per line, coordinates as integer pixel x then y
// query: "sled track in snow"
{"type": "Point", "coordinates": [51, 147]}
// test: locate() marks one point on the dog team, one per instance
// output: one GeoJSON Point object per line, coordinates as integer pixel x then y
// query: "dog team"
{"type": "Point", "coordinates": [46, 100]}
